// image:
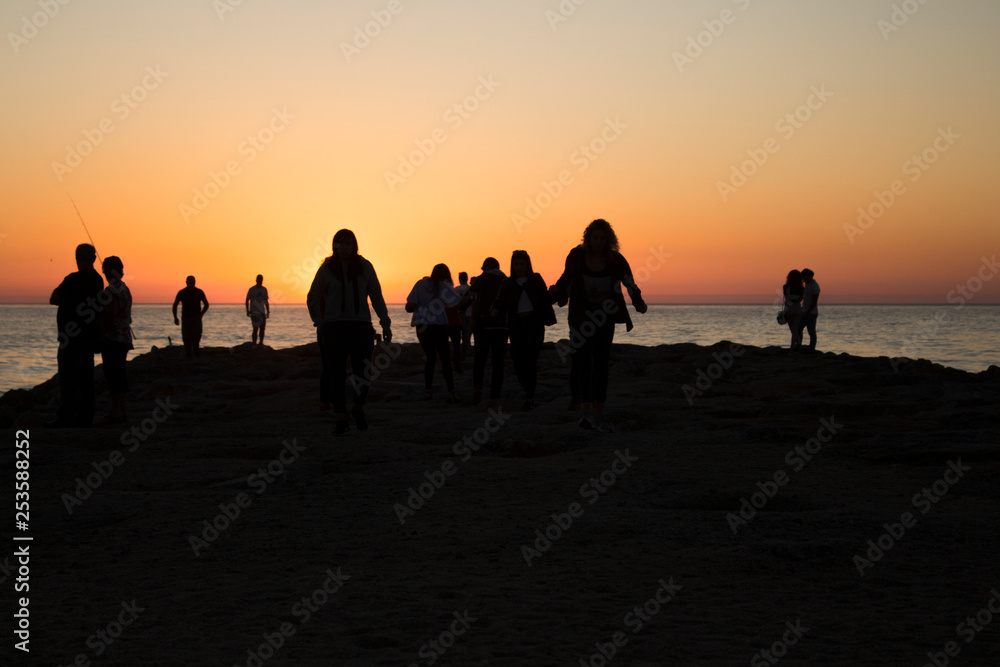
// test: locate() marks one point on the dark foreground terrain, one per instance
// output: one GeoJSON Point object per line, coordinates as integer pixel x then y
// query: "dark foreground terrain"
{"type": "Point", "coordinates": [822, 508]}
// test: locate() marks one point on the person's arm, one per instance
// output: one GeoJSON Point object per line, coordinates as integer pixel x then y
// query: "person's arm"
{"type": "Point", "coordinates": [176, 301]}
{"type": "Point", "coordinates": [57, 294]}
{"type": "Point", "coordinates": [413, 298]}
{"type": "Point", "coordinates": [378, 302]}
{"type": "Point", "coordinates": [634, 293]}
{"type": "Point", "coordinates": [204, 300]}
{"type": "Point", "coordinates": [316, 297]}
{"type": "Point", "coordinates": [247, 304]}
{"type": "Point", "coordinates": [559, 293]}
{"type": "Point", "coordinates": [267, 304]}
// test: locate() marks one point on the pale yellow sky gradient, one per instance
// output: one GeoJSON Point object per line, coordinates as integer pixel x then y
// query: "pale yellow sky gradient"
{"type": "Point", "coordinates": [267, 89]}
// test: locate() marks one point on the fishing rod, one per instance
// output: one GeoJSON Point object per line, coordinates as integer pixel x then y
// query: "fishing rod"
{"type": "Point", "coordinates": [75, 208]}
{"type": "Point", "coordinates": [85, 227]}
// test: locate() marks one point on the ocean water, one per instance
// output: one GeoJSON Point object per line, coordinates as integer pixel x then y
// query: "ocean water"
{"type": "Point", "coordinates": [964, 338]}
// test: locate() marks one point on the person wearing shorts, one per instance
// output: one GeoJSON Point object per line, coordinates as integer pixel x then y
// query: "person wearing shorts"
{"type": "Point", "coordinates": [258, 309]}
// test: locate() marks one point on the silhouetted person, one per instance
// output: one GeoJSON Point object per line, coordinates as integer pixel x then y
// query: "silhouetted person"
{"type": "Point", "coordinates": [79, 337]}
{"type": "Point", "coordinates": [463, 289]}
{"type": "Point", "coordinates": [810, 311]}
{"type": "Point", "coordinates": [490, 332]}
{"type": "Point", "coordinates": [591, 283]}
{"type": "Point", "coordinates": [338, 305]}
{"type": "Point", "coordinates": [793, 293]}
{"type": "Point", "coordinates": [116, 338]}
{"type": "Point", "coordinates": [191, 299]}
{"type": "Point", "coordinates": [429, 300]}
{"type": "Point", "coordinates": [258, 308]}
{"type": "Point", "coordinates": [524, 303]}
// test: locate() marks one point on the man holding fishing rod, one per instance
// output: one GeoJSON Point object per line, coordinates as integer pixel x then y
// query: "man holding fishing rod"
{"type": "Point", "coordinates": [79, 338]}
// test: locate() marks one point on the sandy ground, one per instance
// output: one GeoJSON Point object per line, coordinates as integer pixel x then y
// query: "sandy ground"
{"type": "Point", "coordinates": [549, 545]}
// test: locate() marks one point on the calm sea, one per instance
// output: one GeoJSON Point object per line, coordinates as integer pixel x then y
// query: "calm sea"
{"type": "Point", "coordinates": [964, 338]}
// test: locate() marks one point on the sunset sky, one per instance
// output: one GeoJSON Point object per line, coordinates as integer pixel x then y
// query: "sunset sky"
{"type": "Point", "coordinates": [727, 141]}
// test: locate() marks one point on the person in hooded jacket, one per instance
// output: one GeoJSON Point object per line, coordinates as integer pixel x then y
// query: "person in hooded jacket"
{"type": "Point", "coordinates": [338, 305]}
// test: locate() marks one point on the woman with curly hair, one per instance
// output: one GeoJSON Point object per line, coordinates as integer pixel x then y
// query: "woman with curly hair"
{"type": "Point", "coordinates": [591, 284]}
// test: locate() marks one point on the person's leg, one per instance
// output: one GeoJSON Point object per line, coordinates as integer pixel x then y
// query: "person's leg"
{"type": "Point", "coordinates": [263, 326]}
{"type": "Point", "coordinates": [811, 327]}
{"type": "Point", "coordinates": [362, 345]}
{"type": "Point", "coordinates": [196, 336]}
{"type": "Point", "coordinates": [518, 350]}
{"type": "Point", "coordinates": [603, 338]}
{"type": "Point", "coordinates": [799, 327]}
{"type": "Point", "coordinates": [583, 360]}
{"type": "Point", "coordinates": [253, 336]}
{"type": "Point", "coordinates": [793, 327]}
{"type": "Point", "coordinates": [333, 344]}
{"type": "Point", "coordinates": [425, 336]}
{"type": "Point", "coordinates": [498, 350]}
{"type": "Point", "coordinates": [87, 398]}
{"type": "Point", "coordinates": [187, 336]}
{"type": "Point", "coordinates": [480, 354]}
{"type": "Point", "coordinates": [536, 336]}
{"type": "Point", "coordinates": [574, 375]}
{"type": "Point", "coordinates": [466, 333]}
{"type": "Point", "coordinates": [113, 354]}
{"type": "Point", "coordinates": [337, 340]}
{"type": "Point", "coordinates": [455, 334]}
{"type": "Point", "coordinates": [67, 385]}
{"type": "Point", "coordinates": [441, 343]}
{"type": "Point", "coordinates": [362, 348]}
{"type": "Point", "coordinates": [120, 390]}
{"type": "Point", "coordinates": [326, 372]}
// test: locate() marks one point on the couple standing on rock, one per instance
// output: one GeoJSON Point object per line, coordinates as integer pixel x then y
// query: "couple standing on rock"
{"type": "Point", "coordinates": [801, 293]}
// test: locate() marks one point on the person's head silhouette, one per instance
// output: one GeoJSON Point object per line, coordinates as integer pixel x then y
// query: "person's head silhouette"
{"type": "Point", "coordinates": [345, 244]}
{"type": "Point", "coordinates": [441, 274]}
{"type": "Point", "coordinates": [86, 255]}
{"type": "Point", "coordinates": [599, 238]}
{"type": "Point", "coordinates": [112, 268]}
{"type": "Point", "coordinates": [520, 264]}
